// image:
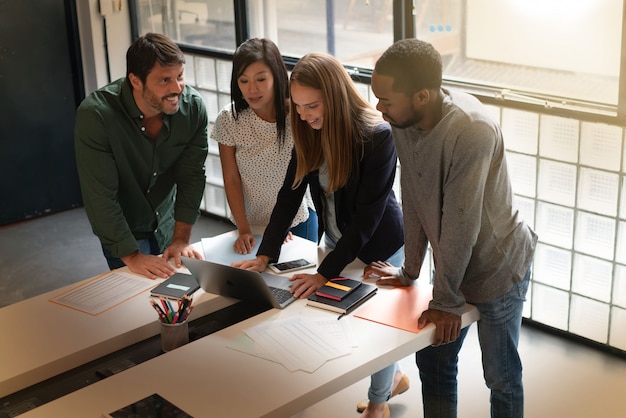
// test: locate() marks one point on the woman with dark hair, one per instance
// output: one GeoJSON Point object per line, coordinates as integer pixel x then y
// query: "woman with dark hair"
{"type": "Point", "coordinates": [255, 142]}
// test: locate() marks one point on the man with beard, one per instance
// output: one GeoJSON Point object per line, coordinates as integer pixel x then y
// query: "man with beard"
{"type": "Point", "coordinates": [457, 197]}
{"type": "Point", "coordinates": [141, 145]}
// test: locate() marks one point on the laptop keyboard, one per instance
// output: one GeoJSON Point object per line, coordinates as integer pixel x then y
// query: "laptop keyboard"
{"type": "Point", "coordinates": [281, 295]}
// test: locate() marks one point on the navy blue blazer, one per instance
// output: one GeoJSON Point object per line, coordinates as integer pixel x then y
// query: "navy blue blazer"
{"type": "Point", "coordinates": [368, 214]}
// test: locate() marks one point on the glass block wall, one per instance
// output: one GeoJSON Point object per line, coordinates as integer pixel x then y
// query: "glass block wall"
{"type": "Point", "coordinates": [211, 77]}
{"type": "Point", "coordinates": [569, 178]}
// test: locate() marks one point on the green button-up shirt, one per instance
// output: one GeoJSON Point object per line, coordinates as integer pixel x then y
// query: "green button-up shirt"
{"type": "Point", "coordinates": [134, 187]}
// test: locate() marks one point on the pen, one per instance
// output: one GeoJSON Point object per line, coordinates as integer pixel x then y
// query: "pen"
{"type": "Point", "coordinates": [175, 319]}
{"type": "Point", "coordinates": [186, 314]}
{"type": "Point", "coordinates": [170, 313]}
{"type": "Point", "coordinates": [159, 310]}
{"type": "Point", "coordinates": [165, 308]}
{"type": "Point", "coordinates": [181, 309]}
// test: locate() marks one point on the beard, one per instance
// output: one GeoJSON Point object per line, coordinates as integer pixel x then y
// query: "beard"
{"type": "Point", "coordinates": [162, 104]}
{"type": "Point", "coordinates": [414, 118]}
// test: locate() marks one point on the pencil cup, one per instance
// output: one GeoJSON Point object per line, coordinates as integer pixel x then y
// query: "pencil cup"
{"type": "Point", "coordinates": [174, 335]}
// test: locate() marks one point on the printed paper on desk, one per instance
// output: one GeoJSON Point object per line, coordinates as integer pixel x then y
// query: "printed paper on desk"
{"type": "Point", "coordinates": [220, 250]}
{"type": "Point", "coordinates": [399, 307]}
{"type": "Point", "coordinates": [104, 292]}
{"type": "Point", "coordinates": [297, 343]}
{"type": "Point", "coordinates": [340, 330]}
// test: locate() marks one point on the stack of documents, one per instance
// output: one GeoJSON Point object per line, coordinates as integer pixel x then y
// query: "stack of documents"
{"type": "Point", "coordinates": [298, 343]}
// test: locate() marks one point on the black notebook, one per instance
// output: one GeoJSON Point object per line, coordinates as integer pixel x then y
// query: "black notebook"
{"type": "Point", "coordinates": [176, 286]}
{"type": "Point", "coordinates": [153, 406]}
{"type": "Point", "coordinates": [338, 288]}
{"type": "Point", "coordinates": [347, 304]}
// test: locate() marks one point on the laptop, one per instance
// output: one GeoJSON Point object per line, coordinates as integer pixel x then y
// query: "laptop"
{"type": "Point", "coordinates": [262, 289]}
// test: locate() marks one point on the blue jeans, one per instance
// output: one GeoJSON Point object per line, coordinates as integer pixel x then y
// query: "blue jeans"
{"type": "Point", "coordinates": [498, 335]}
{"type": "Point", "coordinates": [146, 246]}
{"type": "Point", "coordinates": [381, 382]}
{"type": "Point", "coordinates": [308, 228]}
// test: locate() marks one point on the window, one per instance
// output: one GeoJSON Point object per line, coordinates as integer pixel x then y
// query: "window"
{"type": "Point", "coordinates": [555, 53]}
{"type": "Point", "coordinates": [552, 52]}
{"type": "Point", "coordinates": [207, 23]}
{"type": "Point", "coordinates": [354, 31]}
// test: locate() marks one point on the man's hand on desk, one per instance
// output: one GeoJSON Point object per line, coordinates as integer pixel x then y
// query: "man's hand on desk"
{"type": "Point", "coordinates": [306, 284]}
{"type": "Point", "coordinates": [178, 248]}
{"type": "Point", "coordinates": [447, 325]}
{"type": "Point", "coordinates": [386, 274]}
{"type": "Point", "coordinates": [151, 266]}
{"type": "Point", "coordinates": [257, 264]}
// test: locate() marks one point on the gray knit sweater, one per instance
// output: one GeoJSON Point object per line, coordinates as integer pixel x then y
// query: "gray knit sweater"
{"type": "Point", "coordinates": [456, 194]}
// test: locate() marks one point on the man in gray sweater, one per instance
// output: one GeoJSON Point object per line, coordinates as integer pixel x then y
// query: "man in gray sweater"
{"type": "Point", "coordinates": [457, 196]}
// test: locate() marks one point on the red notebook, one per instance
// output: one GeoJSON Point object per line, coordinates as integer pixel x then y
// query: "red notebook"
{"type": "Point", "coordinates": [338, 288]}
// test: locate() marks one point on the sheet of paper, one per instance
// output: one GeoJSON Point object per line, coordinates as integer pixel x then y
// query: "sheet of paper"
{"type": "Point", "coordinates": [297, 343]}
{"type": "Point", "coordinates": [104, 292]}
{"type": "Point", "coordinates": [220, 250]}
{"type": "Point", "coordinates": [341, 330]}
{"type": "Point", "coordinates": [399, 307]}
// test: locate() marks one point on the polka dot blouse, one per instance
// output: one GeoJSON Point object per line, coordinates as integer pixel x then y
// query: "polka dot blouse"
{"type": "Point", "coordinates": [261, 160]}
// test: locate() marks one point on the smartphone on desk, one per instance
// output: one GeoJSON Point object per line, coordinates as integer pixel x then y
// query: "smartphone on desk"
{"type": "Point", "coordinates": [291, 265]}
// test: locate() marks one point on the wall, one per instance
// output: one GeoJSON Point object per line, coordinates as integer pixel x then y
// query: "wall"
{"type": "Point", "coordinates": [104, 41]}
{"type": "Point", "coordinates": [39, 80]}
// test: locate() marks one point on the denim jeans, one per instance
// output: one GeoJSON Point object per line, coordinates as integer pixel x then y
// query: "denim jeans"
{"type": "Point", "coordinates": [308, 228]}
{"type": "Point", "coordinates": [498, 336]}
{"type": "Point", "coordinates": [381, 382]}
{"type": "Point", "coordinates": [146, 246]}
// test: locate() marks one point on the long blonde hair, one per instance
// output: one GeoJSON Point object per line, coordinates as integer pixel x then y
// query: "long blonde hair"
{"type": "Point", "coordinates": [349, 121]}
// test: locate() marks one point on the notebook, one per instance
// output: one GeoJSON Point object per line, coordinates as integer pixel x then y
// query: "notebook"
{"type": "Point", "coordinates": [262, 289]}
{"type": "Point", "coordinates": [347, 304]}
{"type": "Point", "coordinates": [338, 288]}
{"type": "Point", "coordinates": [176, 286]}
{"type": "Point", "coordinates": [152, 406]}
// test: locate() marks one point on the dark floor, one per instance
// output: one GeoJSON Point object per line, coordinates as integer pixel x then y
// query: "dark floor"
{"type": "Point", "coordinates": [52, 251]}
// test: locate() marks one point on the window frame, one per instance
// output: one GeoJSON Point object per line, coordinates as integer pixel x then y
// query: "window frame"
{"type": "Point", "coordinates": [403, 27]}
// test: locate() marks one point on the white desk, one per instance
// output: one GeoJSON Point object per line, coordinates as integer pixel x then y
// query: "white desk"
{"type": "Point", "coordinates": [205, 377]}
{"type": "Point", "coordinates": [42, 339]}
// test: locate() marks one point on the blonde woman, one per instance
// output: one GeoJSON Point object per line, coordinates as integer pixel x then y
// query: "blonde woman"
{"type": "Point", "coordinates": [344, 152]}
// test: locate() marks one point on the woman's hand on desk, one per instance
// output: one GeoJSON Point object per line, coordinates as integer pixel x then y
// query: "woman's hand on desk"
{"type": "Point", "coordinates": [257, 264]}
{"type": "Point", "coordinates": [306, 284]}
{"type": "Point", "coordinates": [244, 243]}
{"type": "Point", "coordinates": [385, 273]}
